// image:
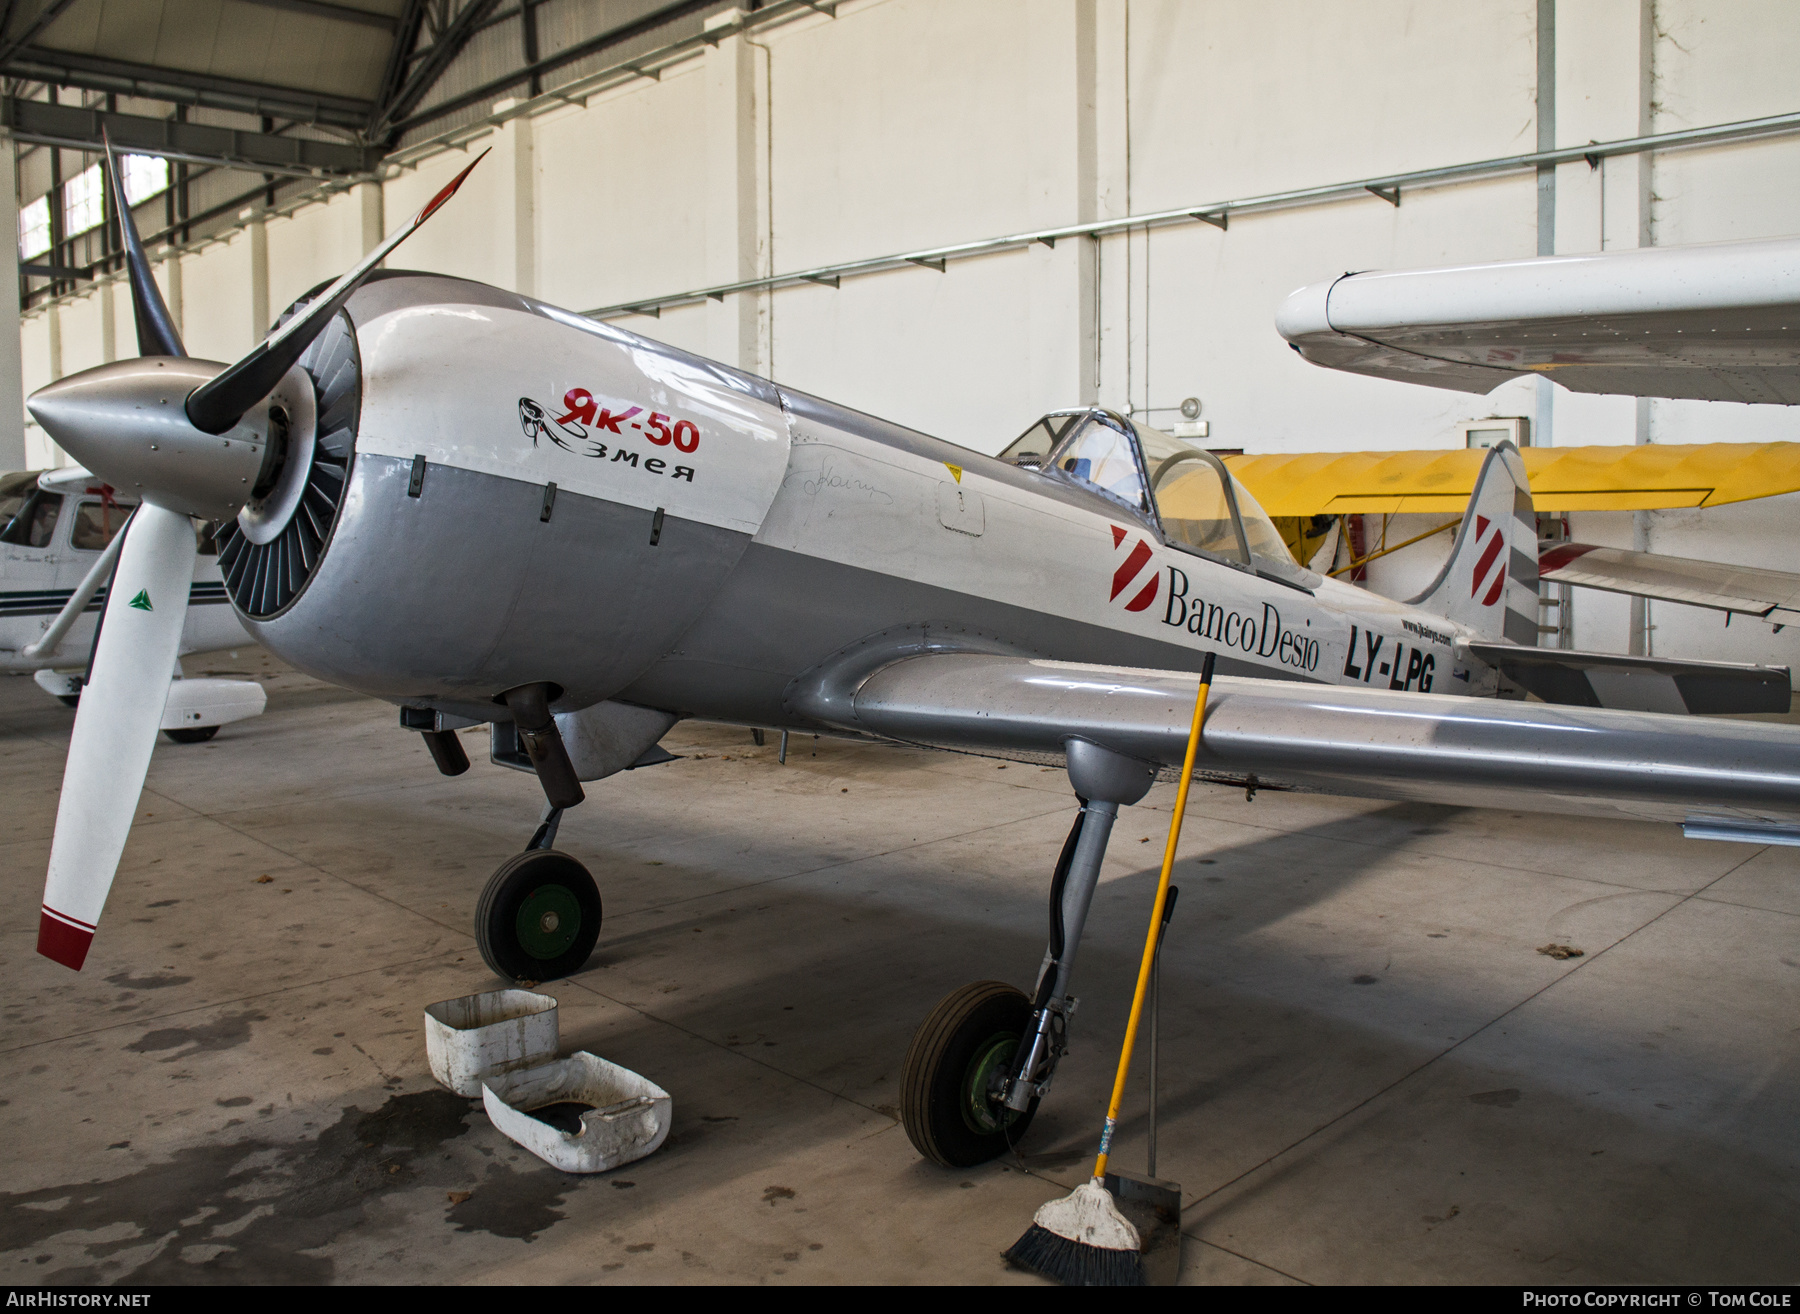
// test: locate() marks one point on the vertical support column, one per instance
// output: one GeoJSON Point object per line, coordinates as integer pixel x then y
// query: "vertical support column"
{"type": "Point", "coordinates": [1543, 426]}
{"type": "Point", "coordinates": [12, 386]}
{"type": "Point", "coordinates": [1061, 331]}
{"type": "Point", "coordinates": [738, 222]}
{"type": "Point", "coordinates": [1087, 200]}
{"type": "Point", "coordinates": [1112, 200]}
{"type": "Point", "coordinates": [259, 278]}
{"type": "Point", "coordinates": [109, 320]}
{"type": "Point", "coordinates": [516, 163]}
{"type": "Point", "coordinates": [41, 451]}
{"type": "Point", "coordinates": [372, 199]}
{"type": "Point", "coordinates": [1635, 203]}
{"type": "Point", "coordinates": [171, 286]}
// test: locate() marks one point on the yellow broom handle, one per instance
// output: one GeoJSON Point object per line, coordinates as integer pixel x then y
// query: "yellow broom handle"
{"type": "Point", "coordinates": [1156, 912]}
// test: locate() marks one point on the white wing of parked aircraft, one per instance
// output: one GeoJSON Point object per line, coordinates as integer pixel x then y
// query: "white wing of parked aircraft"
{"type": "Point", "coordinates": [1716, 323]}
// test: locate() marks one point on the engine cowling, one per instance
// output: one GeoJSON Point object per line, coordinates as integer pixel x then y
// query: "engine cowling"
{"type": "Point", "coordinates": [530, 496]}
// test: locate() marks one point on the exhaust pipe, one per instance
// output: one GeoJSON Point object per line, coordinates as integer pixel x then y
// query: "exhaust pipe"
{"type": "Point", "coordinates": [530, 704]}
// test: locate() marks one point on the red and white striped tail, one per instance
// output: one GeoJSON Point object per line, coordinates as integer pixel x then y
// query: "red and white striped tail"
{"type": "Point", "coordinates": [1490, 582]}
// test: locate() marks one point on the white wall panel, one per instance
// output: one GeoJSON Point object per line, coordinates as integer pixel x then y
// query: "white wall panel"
{"type": "Point", "coordinates": [1232, 98]}
{"type": "Point", "coordinates": [902, 125]}
{"type": "Point", "coordinates": [621, 195]}
{"type": "Point", "coordinates": [316, 244]}
{"type": "Point", "coordinates": [1718, 63]}
{"type": "Point", "coordinates": [216, 320]}
{"type": "Point", "coordinates": [82, 344]}
{"type": "Point", "coordinates": [878, 345]}
{"type": "Point", "coordinates": [34, 344]}
{"type": "Point", "coordinates": [464, 238]}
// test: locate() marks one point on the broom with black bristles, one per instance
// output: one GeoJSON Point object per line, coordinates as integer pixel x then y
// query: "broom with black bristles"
{"type": "Point", "coordinates": [1083, 1240]}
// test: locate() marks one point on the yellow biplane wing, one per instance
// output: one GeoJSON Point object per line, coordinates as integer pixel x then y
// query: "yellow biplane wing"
{"type": "Point", "coordinates": [1639, 478]}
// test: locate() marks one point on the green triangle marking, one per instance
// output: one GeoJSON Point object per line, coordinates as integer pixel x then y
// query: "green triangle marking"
{"type": "Point", "coordinates": [142, 601]}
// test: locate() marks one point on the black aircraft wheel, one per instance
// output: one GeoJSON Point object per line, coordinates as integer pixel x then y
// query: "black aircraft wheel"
{"type": "Point", "coordinates": [194, 734]}
{"type": "Point", "coordinates": [69, 700]}
{"type": "Point", "coordinates": [539, 917]}
{"type": "Point", "coordinates": [959, 1057]}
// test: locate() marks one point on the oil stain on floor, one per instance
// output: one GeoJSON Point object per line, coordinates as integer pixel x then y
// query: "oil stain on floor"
{"type": "Point", "coordinates": [252, 1210]}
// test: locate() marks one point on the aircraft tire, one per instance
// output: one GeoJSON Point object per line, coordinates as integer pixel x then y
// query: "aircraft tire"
{"type": "Point", "coordinates": [955, 1054]}
{"type": "Point", "coordinates": [192, 734]}
{"type": "Point", "coordinates": [539, 917]}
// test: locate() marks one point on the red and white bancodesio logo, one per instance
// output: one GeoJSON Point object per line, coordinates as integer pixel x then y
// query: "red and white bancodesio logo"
{"type": "Point", "coordinates": [1490, 561]}
{"type": "Point", "coordinates": [1131, 570]}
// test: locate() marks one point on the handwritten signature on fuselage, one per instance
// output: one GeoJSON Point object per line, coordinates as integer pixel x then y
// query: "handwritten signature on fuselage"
{"type": "Point", "coordinates": [827, 481]}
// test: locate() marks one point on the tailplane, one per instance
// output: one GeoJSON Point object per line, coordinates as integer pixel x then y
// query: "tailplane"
{"type": "Point", "coordinates": [1490, 583]}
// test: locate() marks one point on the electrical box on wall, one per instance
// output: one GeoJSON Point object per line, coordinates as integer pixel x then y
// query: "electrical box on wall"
{"type": "Point", "coordinates": [1515, 429]}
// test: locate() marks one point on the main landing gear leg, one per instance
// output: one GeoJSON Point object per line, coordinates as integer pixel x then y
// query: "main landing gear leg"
{"type": "Point", "coordinates": [981, 1061]}
{"type": "Point", "coordinates": [539, 916]}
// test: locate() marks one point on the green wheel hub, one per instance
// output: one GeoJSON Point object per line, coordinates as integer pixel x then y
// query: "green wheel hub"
{"type": "Point", "coordinates": [549, 920]}
{"type": "Point", "coordinates": [980, 1111]}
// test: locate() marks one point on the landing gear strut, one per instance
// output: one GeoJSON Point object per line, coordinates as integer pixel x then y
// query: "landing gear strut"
{"type": "Point", "coordinates": [981, 1061]}
{"type": "Point", "coordinates": [539, 916]}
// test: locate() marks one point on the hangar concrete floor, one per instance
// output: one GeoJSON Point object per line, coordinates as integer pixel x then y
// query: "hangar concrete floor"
{"type": "Point", "coordinates": [1371, 1074]}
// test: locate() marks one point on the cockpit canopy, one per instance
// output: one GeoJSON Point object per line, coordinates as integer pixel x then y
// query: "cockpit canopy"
{"type": "Point", "coordinates": [1186, 490]}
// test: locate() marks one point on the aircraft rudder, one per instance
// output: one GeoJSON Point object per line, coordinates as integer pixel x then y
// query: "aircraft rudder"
{"type": "Point", "coordinates": [1489, 584]}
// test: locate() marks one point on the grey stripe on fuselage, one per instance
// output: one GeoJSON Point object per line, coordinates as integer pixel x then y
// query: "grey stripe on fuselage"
{"type": "Point", "coordinates": [479, 593]}
{"type": "Point", "coordinates": [783, 613]}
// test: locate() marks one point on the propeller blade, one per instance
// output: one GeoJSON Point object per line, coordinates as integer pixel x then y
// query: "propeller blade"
{"type": "Point", "coordinates": [220, 402]}
{"type": "Point", "coordinates": [155, 326]}
{"type": "Point", "coordinates": [115, 727]}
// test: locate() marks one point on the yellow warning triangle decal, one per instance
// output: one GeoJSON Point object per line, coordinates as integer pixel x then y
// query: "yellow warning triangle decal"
{"type": "Point", "coordinates": [955, 471]}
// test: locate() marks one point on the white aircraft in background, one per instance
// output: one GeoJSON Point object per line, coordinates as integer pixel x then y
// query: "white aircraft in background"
{"type": "Point", "coordinates": [1715, 322]}
{"type": "Point", "coordinates": [59, 541]}
{"type": "Point", "coordinates": [488, 510]}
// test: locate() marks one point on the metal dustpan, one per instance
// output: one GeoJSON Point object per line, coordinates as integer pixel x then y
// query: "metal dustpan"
{"type": "Point", "coordinates": [580, 1114]}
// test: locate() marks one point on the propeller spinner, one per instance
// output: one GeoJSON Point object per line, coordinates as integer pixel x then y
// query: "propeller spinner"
{"type": "Point", "coordinates": [192, 438]}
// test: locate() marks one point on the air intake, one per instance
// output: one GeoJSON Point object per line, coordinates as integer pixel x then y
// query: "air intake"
{"type": "Point", "coordinates": [272, 549]}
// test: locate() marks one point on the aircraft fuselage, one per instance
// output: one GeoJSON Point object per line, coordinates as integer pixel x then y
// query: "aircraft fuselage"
{"type": "Point", "coordinates": [538, 497]}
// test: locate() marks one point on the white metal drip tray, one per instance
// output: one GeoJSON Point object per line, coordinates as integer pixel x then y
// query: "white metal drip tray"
{"type": "Point", "coordinates": [580, 1114]}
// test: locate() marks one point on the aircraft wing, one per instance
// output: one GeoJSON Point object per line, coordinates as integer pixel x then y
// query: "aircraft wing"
{"type": "Point", "coordinates": [1748, 589]}
{"type": "Point", "coordinates": [1717, 323]}
{"type": "Point", "coordinates": [1347, 740]}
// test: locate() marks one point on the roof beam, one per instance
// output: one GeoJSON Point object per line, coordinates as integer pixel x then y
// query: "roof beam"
{"type": "Point", "coordinates": [337, 13]}
{"type": "Point", "coordinates": [197, 143]}
{"type": "Point", "coordinates": [181, 86]}
{"type": "Point", "coordinates": [431, 67]}
{"type": "Point", "coordinates": [10, 44]}
{"type": "Point", "coordinates": [669, 13]}
{"type": "Point", "coordinates": [405, 37]}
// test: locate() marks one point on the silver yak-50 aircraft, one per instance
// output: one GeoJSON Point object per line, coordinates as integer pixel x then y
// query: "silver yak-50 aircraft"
{"type": "Point", "coordinates": [603, 535]}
